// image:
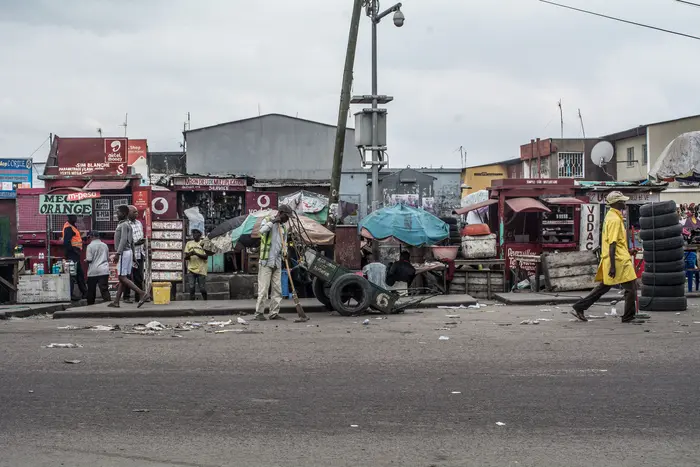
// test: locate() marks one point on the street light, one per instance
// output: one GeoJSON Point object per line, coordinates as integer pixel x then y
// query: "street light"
{"type": "Point", "coordinates": [376, 147]}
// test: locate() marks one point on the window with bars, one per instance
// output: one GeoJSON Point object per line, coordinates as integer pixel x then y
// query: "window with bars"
{"type": "Point", "coordinates": [630, 157]}
{"type": "Point", "coordinates": [645, 156]}
{"type": "Point", "coordinates": [571, 165]}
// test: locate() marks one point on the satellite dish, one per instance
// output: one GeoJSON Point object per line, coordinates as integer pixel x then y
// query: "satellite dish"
{"type": "Point", "coordinates": [602, 153]}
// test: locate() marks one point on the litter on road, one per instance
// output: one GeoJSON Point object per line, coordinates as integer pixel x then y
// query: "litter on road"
{"type": "Point", "coordinates": [443, 338]}
{"type": "Point", "coordinates": [220, 324]}
{"type": "Point", "coordinates": [155, 326]}
{"type": "Point", "coordinates": [530, 321]}
{"type": "Point", "coordinates": [452, 316]}
{"type": "Point", "coordinates": [354, 426]}
{"type": "Point", "coordinates": [366, 322]}
{"type": "Point", "coordinates": [456, 392]}
{"type": "Point", "coordinates": [240, 320]}
{"type": "Point", "coordinates": [72, 362]}
{"type": "Point", "coordinates": [64, 346]}
{"type": "Point", "coordinates": [500, 424]}
{"type": "Point", "coordinates": [141, 410]}
{"type": "Point", "coordinates": [460, 307]}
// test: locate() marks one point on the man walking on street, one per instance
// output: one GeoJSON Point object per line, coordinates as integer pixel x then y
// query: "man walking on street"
{"type": "Point", "coordinates": [73, 247]}
{"type": "Point", "coordinates": [197, 264]}
{"type": "Point", "coordinates": [139, 251]}
{"type": "Point", "coordinates": [273, 247]}
{"type": "Point", "coordinates": [97, 257]}
{"type": "Point", "coordinates": [124, 256]}
{"type": "Point", "coordinates": [616, 265]}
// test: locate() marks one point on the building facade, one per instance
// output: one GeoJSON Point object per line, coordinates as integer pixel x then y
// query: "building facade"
{"type": "Point", "coordinates": [563, 158]}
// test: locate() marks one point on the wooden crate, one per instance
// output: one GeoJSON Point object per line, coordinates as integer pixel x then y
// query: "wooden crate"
{"type": "Point", "coordinates": [478, 284]}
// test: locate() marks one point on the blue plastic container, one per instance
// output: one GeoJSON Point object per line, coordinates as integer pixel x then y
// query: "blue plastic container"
{"type": "Point", "coordinates": [285, 285]}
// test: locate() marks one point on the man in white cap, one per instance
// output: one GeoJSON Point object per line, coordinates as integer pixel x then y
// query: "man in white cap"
{"type": "Point", "coordinates": [616, 267]}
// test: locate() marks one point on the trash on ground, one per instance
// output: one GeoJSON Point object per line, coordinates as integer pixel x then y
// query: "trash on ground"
{"type": "Point", "coordinates": [477, 306]}
{"type": "Point", "coordinates": [379, 318]}
{"type": "Point", "coordinates": [354, 426]}
{"type": "Point", "coordinates": [696, 322]}
{"type": "Point", "coordinates": [64, 346]}
{"type": "Point", "coordinates": [452, 316]}
{"type": "Point", "coordinates": [460, 307]}
{"type": "Point", "coordinates": [366, 322]}
{"type": "Point", "coordinates": [220, 324]}
{"type": "Point", "coordinates": [443, 329]}
{"type": "Point", "coordinates": [72, 362]}
{"type": "Point", "coordinates": [677, 314]}
{"type": "Point", "coordinates": [613, 312]}
{"type": "Point", "coordinates": [31, 391]}
{"type": "Point", "coordinates": [102, 327]}
{"type": "Point", "coordinates": [500, 424]}
{"type": "Point", "coordinates": [443, 338]}
{"type": "Point", "coordinates": [222, 331]}
{"type": "Point", "coordinates": [456, 392]}
{"type": "Point", "coordinates": [68, 328]}
{"type": "Point", "coordinates": [141, 410]}
{"type": "Point", "coordinates": [595, 317]}
{"type": "Point", "coordinates": [543, 319]}
{"type": "Point", "coordinates": [504, 324]}
{"type": "Point", "coordinates": [155, 326]}
{"type": "Point", "coordinates": [530, 321]}
{"type": "Point", "coordinates": [546, 310]}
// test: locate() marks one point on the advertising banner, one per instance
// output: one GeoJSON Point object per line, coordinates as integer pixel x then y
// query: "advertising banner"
{"type": "Point", "coordinates": [260, 200]}
{"type": "Point", "coordinates": [14, 173]}
{"type": "Point", "coordinates": [59, 204]}
{"type": "Point", "coordinates": [137, 157]}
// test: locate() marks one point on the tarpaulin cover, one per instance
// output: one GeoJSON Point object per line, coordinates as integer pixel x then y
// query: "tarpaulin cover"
{"type": "Point", "coordinates": [411, 226]}
{"type": "Point", "coordinates": [680, 160]}
{"type": "Point", "coordinates": [474, 206]}
{"type": "Point", "coordinates": [526, 205]}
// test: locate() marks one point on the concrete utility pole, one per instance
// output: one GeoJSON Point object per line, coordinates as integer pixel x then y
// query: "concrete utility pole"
{"type": "Point", "coordinates": [344, 108]}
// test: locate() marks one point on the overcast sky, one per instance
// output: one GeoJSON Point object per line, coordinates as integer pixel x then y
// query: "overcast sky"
{"type": "Point", "coordinates": [483, 74]}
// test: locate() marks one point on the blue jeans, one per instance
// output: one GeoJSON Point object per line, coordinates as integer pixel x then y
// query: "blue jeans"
{"type": "Point", "coordinates": [690, 275]}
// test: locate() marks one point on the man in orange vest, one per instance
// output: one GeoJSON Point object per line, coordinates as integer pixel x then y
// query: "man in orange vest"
{"type": "Point", "coordinates": [73, 247]}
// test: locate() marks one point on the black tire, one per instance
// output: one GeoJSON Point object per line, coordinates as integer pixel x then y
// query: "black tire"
{"type": "Point", "coordinates": [663, 303]}
{"type": "Point", "coordinates": [350, 295]}
{"type": "Point", "coordinates": [663, 278]}
{"type": "Point", "coordinates": [662, 244]}
{"type": "Point", "coordinates": [670, 266]}
{"type": "Point", "coordinates": [657, 209]}
{"type": "Point", "coordinates": [321, 292]}
{"type": "Point", "coordinates": [662, 232]}
{"type": "Point", "coordinates": [663, 291]}
{"type": "Point", "coordinates": [656, 222]}
{"type": "Point", "coordinates": [663, 256]}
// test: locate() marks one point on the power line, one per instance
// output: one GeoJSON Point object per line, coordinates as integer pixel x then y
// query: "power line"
{"type": "Point", "coordinates": [689, 3]}
{"type": "Point", "coordinates": [622, 20]}
{"type": "Point", "coordinates": [40, 146]}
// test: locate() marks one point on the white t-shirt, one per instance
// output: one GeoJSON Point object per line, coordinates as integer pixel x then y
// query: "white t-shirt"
{"type": "Point", "coordinates": [376, 274]}
{"type": "Point", "coordinates": [97, 254]}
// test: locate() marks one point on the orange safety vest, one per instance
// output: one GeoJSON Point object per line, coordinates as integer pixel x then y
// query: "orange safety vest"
{"type": "Point", "coordinates": [77, 240]}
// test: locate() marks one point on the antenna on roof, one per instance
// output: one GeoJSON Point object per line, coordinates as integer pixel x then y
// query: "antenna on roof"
{"type": "Point", "coordinates": [99, 132]}
{"type": "Point", "coordinates": [185, 127]}
{"type": "Point", "coordinates": [561, 118]}
{"type": "Point", "coordinates": [583, 129]}
{"type": "Point", "coordinates": [126, 123]}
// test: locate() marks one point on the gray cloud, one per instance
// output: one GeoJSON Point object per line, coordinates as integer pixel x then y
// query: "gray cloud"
{"type": "Point", "coordinates": [483, 74]}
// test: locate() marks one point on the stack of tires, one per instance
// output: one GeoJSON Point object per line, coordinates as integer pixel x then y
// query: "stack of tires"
{"type": "Point", "coordinates": [663, 279]}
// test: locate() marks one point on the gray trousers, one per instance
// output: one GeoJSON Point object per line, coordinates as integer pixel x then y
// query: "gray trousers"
{"type": "Point", "coordinates": [630, 289]}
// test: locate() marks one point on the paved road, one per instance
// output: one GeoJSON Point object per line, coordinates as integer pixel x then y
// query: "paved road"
{"type": "Point", "coordinates": [573, 394]}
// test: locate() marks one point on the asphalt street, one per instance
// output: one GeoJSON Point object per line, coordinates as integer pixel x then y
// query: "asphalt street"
{"type": "Point", "coordinates": [335, 392]}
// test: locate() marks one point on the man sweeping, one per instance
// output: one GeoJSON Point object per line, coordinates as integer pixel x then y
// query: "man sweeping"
{"type": "Point", "coordinates": [273, 247]}
{"type": "Point", "coordinates": [616, 266]}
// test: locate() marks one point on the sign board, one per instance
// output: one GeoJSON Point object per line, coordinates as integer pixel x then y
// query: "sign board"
{"type": "Point", "coordinates": [209, 184]}
{"type": "Point", "coordinates": [14, 173]}
{"type": "Point", "coordinates": [90, 156]}
{"type": "Point", "coordinates": [43, 289]}
{"type": "Point", "coordinates": [260, 200]}
{"type": "Point", "coordinates": [589, 239]}
{"type": "Point", "coordinates": [514, 249]}
{"type": "Point", "coordinates": [141, 199]}
{"type": "Point", "coordinates": [82, 195]}
{"type": "Point", "coordinates": [137, 157]}
{"type": "Point", "coordinates": [163, 205]}
{"type": "Point", "coordinates": [59, 204]}
{"type": "Point", "coordinates": [115, 151]}
{"type": "Point", "coordinates": [638, 197]}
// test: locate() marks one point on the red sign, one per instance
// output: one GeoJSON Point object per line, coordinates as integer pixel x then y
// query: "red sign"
{"type": "Point", "coordinates": [209, 184]}
{"type": "Point", "coordinates": [142, 202]}
{"type": "Point", "coordinates": [513, 250]}
{"type": "Point", "coordinates": [260, 200]}
{"type": "Point", "coordinates": [163, 205]}
{"type": "Point", "coordinates": [137, 155]}
{"type": "Point", "coordinates": [85, 156]}
{"type": "Point", "coordinates": [82, 195]}
{"type": "Point", "coordinates": [115, 151]}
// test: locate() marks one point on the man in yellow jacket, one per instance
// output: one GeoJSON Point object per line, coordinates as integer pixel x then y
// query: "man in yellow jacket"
{"type": "Point", "coordinates": [616, 266]}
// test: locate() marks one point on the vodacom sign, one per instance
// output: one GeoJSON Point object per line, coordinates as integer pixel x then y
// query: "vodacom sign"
{"type": "Point", "coordinates": [82, 195]}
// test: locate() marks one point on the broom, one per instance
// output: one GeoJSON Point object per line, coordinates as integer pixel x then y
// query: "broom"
{"type": "Point", "coordinates": [300, 310]}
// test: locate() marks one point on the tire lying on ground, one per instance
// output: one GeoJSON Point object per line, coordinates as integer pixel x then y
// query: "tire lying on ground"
{"type": "Point", "coordinates": [350, 294]}
{"type": "Point", "coordinates": [661, 244]}
{"type": "Point", "coordinates": [321, 292]}
{"type": "Point", "coordinates": [663, 256]}
{"type": "Point", "coordinates": [655, 222]}
{"type": "Point", "coordinates": [663, 291]}
{"type": "Point", "coordinates": [663, 278]}
{"type": "Point", "coordinates": [661, 232]}
{"type": "Point", "coordinates": [657, 209]}
{"type": "Point", "coordinates": [668, 266]}
{"type": "Point", "coordinates": [663, 303]}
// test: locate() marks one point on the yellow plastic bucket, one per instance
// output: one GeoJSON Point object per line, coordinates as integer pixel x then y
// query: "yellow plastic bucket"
{"type": "Point", "coordinates": [161, 293]}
